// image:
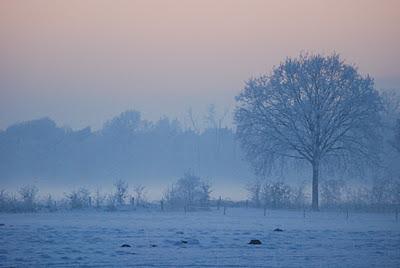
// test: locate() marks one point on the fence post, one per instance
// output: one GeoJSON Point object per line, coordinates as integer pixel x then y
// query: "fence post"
{"type": "Point", "coordinates": [224, 209]}
{"type": "Point", "coordinates": [304, 213]}
{"type": "Point", "coordinates": [265, 210]}
{"type": "Point", "coordinates": [219, 202]}
{"type": "Point", "coordinates": [162, 205]}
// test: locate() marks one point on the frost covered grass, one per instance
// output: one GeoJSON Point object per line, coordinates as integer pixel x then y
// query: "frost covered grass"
{"type": "Point", "coordinates": [199, 239]}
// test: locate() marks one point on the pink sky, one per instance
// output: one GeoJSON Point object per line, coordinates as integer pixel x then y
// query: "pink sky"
{"type": "Point", "coordinates": [81, 62]}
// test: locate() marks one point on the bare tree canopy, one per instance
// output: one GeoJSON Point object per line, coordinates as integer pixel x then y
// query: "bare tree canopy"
{"type": "Point", "coordinates": [314, 108]}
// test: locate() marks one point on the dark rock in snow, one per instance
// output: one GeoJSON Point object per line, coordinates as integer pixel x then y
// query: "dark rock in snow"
{"type": "Point", "coordinates": [278, 230]}
{"type": "Point", "coordinates": [187, 241]}
{"type": "Point", "coordinates": [255, 242]}
{"type": "Point", "coordinates": [153, 246]}
{"type": "Point", "coordinates": [180, 243]}
{"type": "Point", "coordinates": [2, 224]}
{"type": "Point", "coordinates": [179, 232]}
{"type": "Point", "coordinates": [125, 246]}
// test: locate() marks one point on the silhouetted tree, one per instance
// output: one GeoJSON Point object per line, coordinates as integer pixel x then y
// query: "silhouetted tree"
{"type": "Point", "coordinates": [312, 108]}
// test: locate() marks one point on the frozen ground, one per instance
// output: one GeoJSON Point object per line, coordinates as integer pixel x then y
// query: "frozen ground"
{"type": "Point", "coordinates": [70, 239]}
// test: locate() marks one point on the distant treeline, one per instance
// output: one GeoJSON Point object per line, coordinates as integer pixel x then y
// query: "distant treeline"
{"type": "Point", "coordinates": [189, 193]}
{"type": "Point", "coordinates": [126, 147]}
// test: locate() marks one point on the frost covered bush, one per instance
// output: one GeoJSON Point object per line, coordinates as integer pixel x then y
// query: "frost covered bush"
{"type": "Point", "coordinates": [79, 199]}
{"type": "Point", "coordinates": [24, 201]}
{"type": "Point", "coordinates": [28, 195]}
{"type": "Point", "coordinates": [8, 203]}
{"type": "Point", "coordinates": [299, 196]}
{"type": "Point", "coordinates": [276, 195]}
{"type": "Point", "coordinates": [139, 195]}
{"type": "Point", "coordinates": [385, 192]}
{"type": "Point", "coordinates": [380, 196]}
{"type": "Point", "coordinates": [121, 191]}
{"type": "Point", "coordinates": [332, 192]}
{"type": "Point", "coordinates": [358, 199]}
{"type": "Point", "coordinates": [189, 192]}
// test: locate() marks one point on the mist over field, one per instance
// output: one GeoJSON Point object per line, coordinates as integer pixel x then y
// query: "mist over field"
{"type": "Point", "coordinates": [127, 147]}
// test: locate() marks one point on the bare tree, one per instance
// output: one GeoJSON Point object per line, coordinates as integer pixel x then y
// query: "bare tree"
{"type": "Point", "coordinates": [98, 198]}
{"type": "Point", "coordinates": [139, 191]}
{"type": "Point", "coordinates": [188, 186]}
{"type": "Point", "coordinates": [276, 194]}
{"type": "Point", "coordinates": [254, 191]}
{"type": "Point", "coordinates": [79, 199]}
{"type": "Point", "coordinates": [190, 192]}
{"type": "Point", "coordinates": [121, 191]}
{"type": "Point", "coordinates": [205, 192]}
{"type": "Point", "coordinates": [215, 121]}
{"type": "Point", "coordinates": [313, 108]}
{"type": "Point", "coordinates": [196, 129]}
{"type": "Point", "coordinates": [194, 126]}
{"type": "Point", "coordinates": [28, 194]}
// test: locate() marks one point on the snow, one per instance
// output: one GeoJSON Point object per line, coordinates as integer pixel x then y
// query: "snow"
{"type": "Point", "coordinates": [90, 238]}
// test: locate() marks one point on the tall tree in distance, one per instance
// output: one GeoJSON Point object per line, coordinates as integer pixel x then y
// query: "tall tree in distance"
{"type": "Point", "coordinates": [313, 108]}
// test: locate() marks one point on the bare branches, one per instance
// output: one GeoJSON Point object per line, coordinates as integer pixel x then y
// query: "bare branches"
{"type": "Point", "coordinates": [308, 108]}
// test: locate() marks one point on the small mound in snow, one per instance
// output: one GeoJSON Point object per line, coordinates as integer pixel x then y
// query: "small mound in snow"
{"type": "Point", "coordinates": [188, 241]}
{"type": "Point", "coordinates": [180, 243]}
{"type": "Point", "coordinates": [125, 246]}
{"type": "Point", "coordinates": [278, 230]}
{"type": "Point", "coordinates": [255, 242]}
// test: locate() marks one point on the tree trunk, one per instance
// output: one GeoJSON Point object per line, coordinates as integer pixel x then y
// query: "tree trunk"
{"type": "Point", "coordinates": [315, 166]}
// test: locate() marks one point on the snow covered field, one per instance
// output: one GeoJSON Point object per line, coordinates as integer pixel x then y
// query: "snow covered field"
{"type": "Point", "coordinates": [199, 239]}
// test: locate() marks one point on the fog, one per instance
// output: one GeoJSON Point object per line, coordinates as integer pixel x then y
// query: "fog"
{"type": "Point", "coordinates": [231, 133]}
